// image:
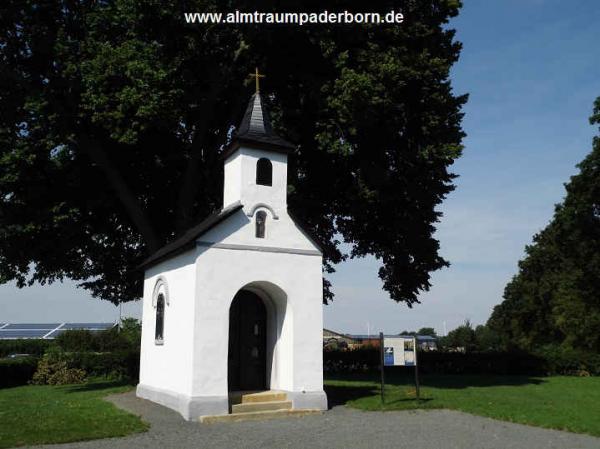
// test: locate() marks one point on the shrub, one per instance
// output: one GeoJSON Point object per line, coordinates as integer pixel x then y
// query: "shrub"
{"type": "Point", "coordinates": [55, 368]}
{"type": "Point", "coordinates": [131, 330]}
{"type": "Point", "coordinates": [113, 353]}
{"type": "Point", "coordinates": [15, 372]}
{"type": "Point", "coordinates": [77, 340]}
{"type": "Point", "coordinates": [568, 361]}
{"type": "Point", "coordinates": [118, 365]}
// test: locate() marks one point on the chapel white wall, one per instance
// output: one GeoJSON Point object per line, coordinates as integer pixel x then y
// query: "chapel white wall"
{"type": "Point", "coordinates": [221, 273]}
{"type": "Point", "coordinates": [240, 229]}
{"type": "Point", "coordinates": [168, 366]}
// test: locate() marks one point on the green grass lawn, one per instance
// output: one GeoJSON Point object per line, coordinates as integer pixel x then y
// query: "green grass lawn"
{"type": "Point", "coordinates": [47, 414]}
{"type": "Point", "coordinates": [565, 403]}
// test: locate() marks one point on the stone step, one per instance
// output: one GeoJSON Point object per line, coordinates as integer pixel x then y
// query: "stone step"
{"type": "Point", "coordinates": [257, 416]}
{"type": "Point", "coordinates": [248, 407]}
{"type": "Point", "coordinates": [264, 396]}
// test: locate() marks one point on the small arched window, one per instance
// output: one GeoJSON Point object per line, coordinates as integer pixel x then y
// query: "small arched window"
{"type": "Point", "coordinates": [264, 172]}
{"type": "Point", "coordinates": [261, 221]}
{"type": "Point", "coordinates": [160, 319]}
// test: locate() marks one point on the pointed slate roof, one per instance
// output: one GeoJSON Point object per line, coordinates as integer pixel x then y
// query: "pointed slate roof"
{"type": "Point", "coordinates": [255, 130]}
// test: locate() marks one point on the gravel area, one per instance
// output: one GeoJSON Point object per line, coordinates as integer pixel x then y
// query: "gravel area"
{"type": "Point", "coordinates": [340, 427]}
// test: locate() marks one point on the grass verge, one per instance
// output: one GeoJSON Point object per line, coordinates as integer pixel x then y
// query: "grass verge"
{"type": "Point", "coordinates": [49, 414]}
{"type": "Point", "coordinates": [564, 403]}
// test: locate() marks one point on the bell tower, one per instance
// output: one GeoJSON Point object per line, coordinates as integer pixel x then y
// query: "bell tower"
{"type": "Point", "coordinates": [256, 162]}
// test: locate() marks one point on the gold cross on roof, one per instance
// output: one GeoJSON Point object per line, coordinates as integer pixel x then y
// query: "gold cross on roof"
{"type": "Point", "coordinates": [257, 76]}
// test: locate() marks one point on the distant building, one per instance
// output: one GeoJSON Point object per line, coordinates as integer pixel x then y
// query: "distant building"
{"type": "Point", "coordinates": [363, 340]}
{"type": "Point", "coordinates": [427, 342]}
{"type": "Point", "coordinates": [334, 340]}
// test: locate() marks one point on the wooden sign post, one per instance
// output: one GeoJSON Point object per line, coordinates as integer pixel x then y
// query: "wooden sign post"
{"type": "Point", "coordinates": [417, 372]}
{"type": "Point", "coordinates": [381, 364]}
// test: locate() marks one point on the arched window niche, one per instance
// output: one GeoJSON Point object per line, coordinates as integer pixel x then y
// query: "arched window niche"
{"type": "Point", "coordinates": [261, 224]}
{"type": "Point", "coordinates": [160, 299]}
{"type": "Point", "coordinates": [264, 172]}
{"type": "Point", "coordinates": [159, 329]}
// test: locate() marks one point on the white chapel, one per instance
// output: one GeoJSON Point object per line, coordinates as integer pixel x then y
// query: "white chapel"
{"type": "Point", "coordinates": [234, 305]}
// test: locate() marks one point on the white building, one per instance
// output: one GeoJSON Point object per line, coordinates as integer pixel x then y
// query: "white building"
{"type": "Point", "coordinates": [235, 304]}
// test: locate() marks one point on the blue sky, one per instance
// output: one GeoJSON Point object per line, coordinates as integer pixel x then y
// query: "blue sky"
{"type": "Point", "coordinates": [532, 69]}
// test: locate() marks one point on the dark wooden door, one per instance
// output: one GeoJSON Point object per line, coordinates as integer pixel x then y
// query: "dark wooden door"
{"type": "Point", "coordinates": [247, 343]}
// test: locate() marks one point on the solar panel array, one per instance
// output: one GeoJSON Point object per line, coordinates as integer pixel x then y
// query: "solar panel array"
{"type": "Point", "coordinates": [46, 330]}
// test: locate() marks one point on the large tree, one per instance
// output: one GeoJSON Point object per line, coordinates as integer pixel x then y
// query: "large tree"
{"type": "Point", "coordinates": [114, 114]}
{"type": "Point", "coordinates": [555, 297]}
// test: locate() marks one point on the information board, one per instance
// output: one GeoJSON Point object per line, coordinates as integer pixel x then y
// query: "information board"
{"type": "Point", "coordinates": [399, 351]}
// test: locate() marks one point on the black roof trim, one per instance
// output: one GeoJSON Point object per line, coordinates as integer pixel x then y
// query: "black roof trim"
{"type": "Point", "coordinates": [188, 239]}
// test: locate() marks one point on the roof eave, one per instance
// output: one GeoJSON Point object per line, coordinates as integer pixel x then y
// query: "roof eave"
{"type": "Point", "coordinates": [186, 242]}
{"type": "Point", "coordinates": [246, 142]}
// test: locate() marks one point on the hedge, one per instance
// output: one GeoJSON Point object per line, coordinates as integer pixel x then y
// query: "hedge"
{"type": "Point", "coordinates": [354, 360]}
{"type": "Point", "coordinates": [18, 371]}
{"type": "Point", "coordinates": [503, 363]}
{"type": "Point", "coordinates": [546, 361]}
{"type": "Point", "coordinates": [73, 340]}
{"type": "Point", "coordinates": [81, 340]}
{"type": "Point", "coordinates": [123, 365]}
{"type": "Point", "coordinates": [36, 347]}
{"type": "Point", "coordinates": [118, 364]}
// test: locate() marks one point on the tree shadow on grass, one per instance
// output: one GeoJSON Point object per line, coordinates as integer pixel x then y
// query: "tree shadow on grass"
{"type": "Point", "coordinates": [413, 400]}
{"type": "Point", "coordinates": [339, 395]}
{"type": "Point", "coordinates": [450, 381]}
{"type": "Point", "coordinates": [466, 381]}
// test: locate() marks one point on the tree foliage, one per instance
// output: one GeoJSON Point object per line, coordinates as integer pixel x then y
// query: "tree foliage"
{"type": "Point", "coordinates": [114, 113]}
{"type": "Point", "coordinates": [462, 338]}
{"type": "Point", "coordinates": [555, 297]}
{"type": "Point", "coordinates": [429, 331]}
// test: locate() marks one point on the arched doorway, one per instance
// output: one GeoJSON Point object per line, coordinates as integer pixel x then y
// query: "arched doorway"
{"type": "Point", "coordinates": [247, 361]}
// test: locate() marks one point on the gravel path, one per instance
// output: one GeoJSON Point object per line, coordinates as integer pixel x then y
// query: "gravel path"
{"type": "Point", "coordinates": [340, 427]}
